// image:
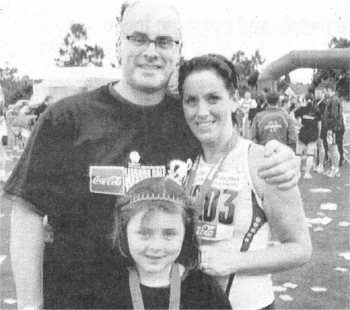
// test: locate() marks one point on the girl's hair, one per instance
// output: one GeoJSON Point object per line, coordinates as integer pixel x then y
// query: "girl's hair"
{"type": "Point", "coordinates": [217, 63]}
{"type": "Point", "coordinates": [156, 194]}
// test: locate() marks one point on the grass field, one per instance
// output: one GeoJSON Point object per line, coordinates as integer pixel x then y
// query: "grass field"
{"type": "Point", "coordinates": [329, 240]}
{"type": "Point", "coordinates": [294, 288]}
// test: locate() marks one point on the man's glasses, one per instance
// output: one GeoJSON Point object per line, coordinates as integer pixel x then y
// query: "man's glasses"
{"type": "Point", "coordinates": [164, 43]}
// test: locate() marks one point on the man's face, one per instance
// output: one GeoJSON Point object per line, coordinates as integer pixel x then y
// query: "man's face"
{"type": "Point", "coordinates": [329, 92]}
{"type": "Point", "coordinates": [318, 94]}
{"type": "Point", "coordinates": [148, 68]}
{"type": "Point", "coordinates": [247, 95]}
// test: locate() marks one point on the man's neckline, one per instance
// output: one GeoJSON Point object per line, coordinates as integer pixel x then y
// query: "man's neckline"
{"type": "Point", "coordinates": [119, 97]}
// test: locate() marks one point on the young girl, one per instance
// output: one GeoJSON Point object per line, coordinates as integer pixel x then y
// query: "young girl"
{"type": "Point", "coordinates": [155, 229]}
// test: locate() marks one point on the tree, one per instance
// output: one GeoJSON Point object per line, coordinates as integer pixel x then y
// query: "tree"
{"type": "Point", "coordinates": [247, 69]}
{"type": "Point", "coordinates": [283, 83]}
{"type": "Point", "coordinates": [118, 21]}
{"type": "Point", "coordinates": [338, 76]}
{"type": "Point", "coordinates": [14, 88]}
{"type": "Point", "coordinates": [76, 51]}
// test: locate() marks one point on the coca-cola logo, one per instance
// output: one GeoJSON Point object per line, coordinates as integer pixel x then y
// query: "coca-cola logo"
{"type": "Point", "coordinates": [206, 230]}
{"type": "Point", "coordinates": [107, 180]}
{"type": "Point", "coordinates": [113, 180]}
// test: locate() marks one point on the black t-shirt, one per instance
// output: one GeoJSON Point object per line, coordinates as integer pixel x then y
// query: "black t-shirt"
{"type": "Point", "coordinates": [310, 117]}
{"type": "Point", "coordinates": [97, 128]}
{"type": "Point", "coordinates": [198, 291]}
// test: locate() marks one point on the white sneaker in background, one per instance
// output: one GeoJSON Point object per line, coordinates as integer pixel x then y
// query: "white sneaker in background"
{"type": "Point", "coordinates": [334, 173]}
{"type": "Point", "coordinates": [320, 169]}
{"type": "Point", "coordinates": [307, 176]}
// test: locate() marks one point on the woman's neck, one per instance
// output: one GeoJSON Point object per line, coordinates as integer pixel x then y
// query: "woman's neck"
{"type": "Point", "coordinates": [212, 152]}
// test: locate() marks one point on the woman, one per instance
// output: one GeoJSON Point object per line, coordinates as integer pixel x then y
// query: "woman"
{"type": "Point", "coordinates": [237, 209]}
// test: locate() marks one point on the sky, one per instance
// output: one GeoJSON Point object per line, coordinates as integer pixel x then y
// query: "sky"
{"type": "Point", "coordinates": [31, 32]}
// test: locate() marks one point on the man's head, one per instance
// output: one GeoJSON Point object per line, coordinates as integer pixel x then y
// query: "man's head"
{"type": "Point", "coordinates": [329, 90]}
{"type": "Point", "coordinates": [48, 100]}
{"type": "Point", "coordinates": [272, 98]}
{"type": "Point", "coordinates": [247, 95]}
{"type": "Point", "coordinates": [148, 65]}
{"type": "Point", "coordinates": [318, 94]}
{"type": "Point", "coordinates": [308, 100]}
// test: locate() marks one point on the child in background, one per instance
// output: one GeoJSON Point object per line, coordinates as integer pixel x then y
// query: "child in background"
{"type": "Point", "coordinates": [155, 229]}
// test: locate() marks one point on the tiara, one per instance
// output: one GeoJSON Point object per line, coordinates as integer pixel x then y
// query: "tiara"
{"type": "Point", "coordinates": [152, 197]}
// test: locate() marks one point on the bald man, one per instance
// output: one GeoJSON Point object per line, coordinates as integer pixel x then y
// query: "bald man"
{"type": "Point", "coordinates": [88, 149]}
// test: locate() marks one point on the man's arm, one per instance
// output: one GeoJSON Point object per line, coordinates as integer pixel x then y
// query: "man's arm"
{"type": "Point", "coordinates": [27, 251]}
{"type": "Point", "coordinates": [281, 165]}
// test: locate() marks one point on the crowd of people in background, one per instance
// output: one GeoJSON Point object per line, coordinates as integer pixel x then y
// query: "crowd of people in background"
{"type": "Point", "coordinates": [312, 125]}
{"type": "Point", "coordinates": [16, 124]}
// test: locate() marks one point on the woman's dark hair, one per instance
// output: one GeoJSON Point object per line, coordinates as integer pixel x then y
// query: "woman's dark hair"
{"type": "Point", "coordinates": [144, 196]}
{"type": "Point", "coordinates": [217, 63]}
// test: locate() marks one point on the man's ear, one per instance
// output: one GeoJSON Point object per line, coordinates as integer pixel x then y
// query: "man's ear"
{"type": "Point", "coordinates": [178, 60]}
{"type": "Point", "coordinates": [118, 51]}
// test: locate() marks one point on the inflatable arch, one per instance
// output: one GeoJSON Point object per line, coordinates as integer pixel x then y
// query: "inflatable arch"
{"type": "Point", "coordinates": [322, 59]}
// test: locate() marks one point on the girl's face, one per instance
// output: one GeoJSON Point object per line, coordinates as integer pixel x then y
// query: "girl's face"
{"type": "Point", "coordinates": [207, 106]}
{"type": "Point", "coordinates": [155, 243]}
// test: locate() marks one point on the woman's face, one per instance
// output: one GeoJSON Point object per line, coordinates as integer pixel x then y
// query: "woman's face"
{"type": "Point", "coordinates": [207, 106]}
{"type": "Point", "coordinates": [155, 242]}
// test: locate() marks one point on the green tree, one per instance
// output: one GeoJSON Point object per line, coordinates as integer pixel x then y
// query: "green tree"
{"type": "Point", "coordinates": [118, 21]}
{"type": "Point", "coordinates": [76, 51]}
{"type": "Point", "coordinates": [14, 87]}
{"type": "Point", "coordinates": [247, 69]}
{"type": "Point", "coordinates": [338, 76]}
{"type": "Point", "coordinates": [283, 82]}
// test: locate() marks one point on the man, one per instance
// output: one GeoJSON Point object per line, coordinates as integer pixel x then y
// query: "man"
{"type": "Point", "coordinates": [261, 105]}
{"type": "Point", "coordinates": [322, 147]}
{"type": "Point", "coordinates": [333, 129]}
{"type": "Point", "coordinates": [273, 123]}
{"type": "Point", "coordinates": [309, 133]}
{"type": "Point", "coordinates": [245, 104]}
{"type": "Point", "coordinates": [87, 149]}
{"type": "Point", "coordinates": [40, 109]}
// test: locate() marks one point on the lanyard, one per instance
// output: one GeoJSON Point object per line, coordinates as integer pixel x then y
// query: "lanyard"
{"type": "Point", "coordinates": [210, 176]}
{"type": "Point", "coordinates": [175, 289]}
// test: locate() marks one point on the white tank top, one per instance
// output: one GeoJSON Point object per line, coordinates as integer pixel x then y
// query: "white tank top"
{"type": "Point", "coordinates": [233, 218]}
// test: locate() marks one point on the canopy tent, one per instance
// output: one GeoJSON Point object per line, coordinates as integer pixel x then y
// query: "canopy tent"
{"type": "Point", "coordinates": [64, 82]}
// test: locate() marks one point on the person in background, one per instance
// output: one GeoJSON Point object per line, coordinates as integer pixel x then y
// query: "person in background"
{"type": "Point", "coordinates": [261, 105]}
{"type": "Point", "coordinates": [309, 134]}
{"type": "Point", "coordinates": [245, 104]}
{"type": "Point", "coordinates": [285, 104]}
{"type": "Point", "coordinates": [236, 208]}
{"type": "Point", "coordinates": [334, 129]}
{"type": "Point", "coordinates": [123, 132]}
{"type": "Point", "coordinates": [341, 132]}
{"type": "Point", "coordinates": [42, 107]}
{"type": "Point", "coordinates": [273, 123]}
{"type": "Point", "coordinates": [322, 147]}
